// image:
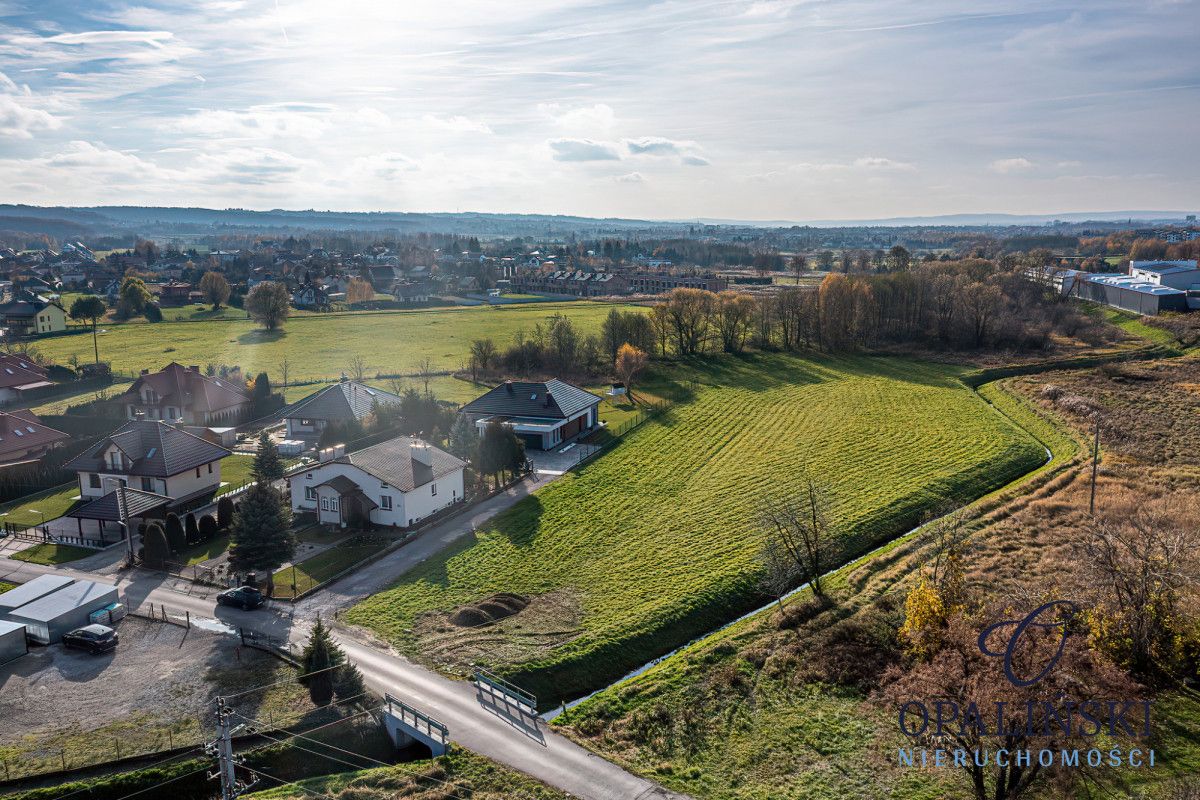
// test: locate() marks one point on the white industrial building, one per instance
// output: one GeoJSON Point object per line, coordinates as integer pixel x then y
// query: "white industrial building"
{"type": "Point", "coordinates": [1181, 274]}
{"type": "Point", "coordinates": [35, 589]}
{"type": "Point", "coordinates": [12, 641]}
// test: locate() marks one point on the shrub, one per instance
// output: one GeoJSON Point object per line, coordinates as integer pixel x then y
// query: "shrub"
{"type": "Point", "coordinates": [208, 528]}
{"type": "Point", "coordinates": [191, 531]}
{"type": "Point", "coordinates": [174, 531]}
{"type": "Point", "coordinates": [224, 513]}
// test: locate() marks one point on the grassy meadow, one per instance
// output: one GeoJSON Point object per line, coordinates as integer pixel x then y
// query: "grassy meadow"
{"type": "Point", "coordinates": [321, 345]}
{"type": "Point", "coordinates": [656, 541]}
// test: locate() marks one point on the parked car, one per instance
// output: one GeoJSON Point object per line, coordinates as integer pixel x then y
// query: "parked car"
{"type": "Point", "coordinates": [93, 638]}
{"type": "Point", "coordinates": [245, 597]}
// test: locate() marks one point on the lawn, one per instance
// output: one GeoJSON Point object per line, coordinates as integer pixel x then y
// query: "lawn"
{"type": "Point", "coordinates": [36, 508]}
{"type": "Point", "coordinates": [235, 471]}
{"type": "Point", "coordinates": [656, 541]}
{"type": "Point", "coordinates": [327, 564]}
{"type": "Point", "coordinates": [1134, 325]}
{"type": "Point", "coordinates": [47, 553]}
{"type": "Point", "coordinates": [199, 553]}
{"type": "Point", "coordinates": [5, 586]}
{"type": "Point", "coordinates": [322, 345]}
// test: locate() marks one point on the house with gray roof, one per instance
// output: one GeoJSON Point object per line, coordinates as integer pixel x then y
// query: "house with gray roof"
{"type": "Point", "coordinates": [397, 483]}
{"type": "Point", "coordinates": [545, 414]}
{"type": "Point", "coordinates": [342, 402]}
{"type": "Point", "coordinates": [150, 456]}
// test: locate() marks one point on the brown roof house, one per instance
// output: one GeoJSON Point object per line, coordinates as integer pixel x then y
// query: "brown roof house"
{"type": "Point", "coordinates": [185, 393]}
{"type": "Point", "coordinates": [150, 456]}
{"type": "Point", "coordinates": [19, 375]}
{"type": "Point", "coordinates": [23, 437]}
{"type": "Point", "coordinates": [395, 483]}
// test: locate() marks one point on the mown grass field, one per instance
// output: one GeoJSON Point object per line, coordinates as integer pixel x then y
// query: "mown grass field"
{"type": "Point", "coordinates": [321, 345]}
{"type": "Point", "coordinates": [658, 538]}
{"type": "Point", "coordinates": [47, 553]}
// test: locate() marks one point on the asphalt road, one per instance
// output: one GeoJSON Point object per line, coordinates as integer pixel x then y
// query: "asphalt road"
{"type": "Point", "coordinates": [477, 721]}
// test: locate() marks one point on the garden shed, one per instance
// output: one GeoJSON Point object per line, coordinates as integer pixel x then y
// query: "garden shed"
{"type": "Point", "coordinates": [47, 619]}
{"type": "Point", "coordinates": [12, 641]}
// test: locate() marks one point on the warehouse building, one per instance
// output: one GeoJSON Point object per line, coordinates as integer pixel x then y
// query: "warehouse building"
{"type": "Point", "coordinates": [12, 641]}
{"type": "Point", "coordinates": [48, 618]}
{"type": "Point", "coordinates": [36, 589]}
{"type": "Point", "coordinates": [1132, 294]}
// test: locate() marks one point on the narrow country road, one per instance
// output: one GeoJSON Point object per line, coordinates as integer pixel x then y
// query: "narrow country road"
{"type": "Point", "coordinates": [477, 722]}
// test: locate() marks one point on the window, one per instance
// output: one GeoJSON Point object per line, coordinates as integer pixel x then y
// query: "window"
{"type": "Point", "coordinates": [333, 504]}
{"type": "Point", "coordinates": [310, 493]}
{"type": "Point", "coordinates": [94, 481]}
{"type": "Point", "coordinates": [197, 472]}
{"type": "Point", "coordinates": [385, 502]}
{"type": "Point", "coordinates": [147, 484]}
{"type": "Point", "coordinates": [324, 503]}
{"type": "Point", "coordinates": [210, 468]}
{"type": "Point", "coordinates": [433, 489]}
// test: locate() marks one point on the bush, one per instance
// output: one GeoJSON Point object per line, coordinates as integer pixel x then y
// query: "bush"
{"type": "Point", "coordinates": [191, 532]}
{"type": "Point", "coordinates": [174, 531]}
{"type": "Point", "coordinates": [153, 313]}
{"type": "Point", "coordinates": [224, 513]}
{"type": "Point", "coordinates": [208, 528]}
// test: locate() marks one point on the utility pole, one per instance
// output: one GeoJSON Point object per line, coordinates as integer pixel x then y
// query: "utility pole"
{"type": "Point", "coordinates": [1095, 467]}
{"type": "Point", "coordinates": [222, 748]}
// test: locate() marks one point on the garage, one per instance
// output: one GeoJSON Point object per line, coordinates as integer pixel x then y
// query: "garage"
{"type": "Point", "coordinates": [35, 589]}
{"type": "Point", "coordinates": [47, 619]}
{"type": "Point", "coordinates": [12, 641]}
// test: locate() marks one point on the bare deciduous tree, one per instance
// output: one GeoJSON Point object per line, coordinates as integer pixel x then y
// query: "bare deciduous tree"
{"type": "Point", "coordinates": [358, 368]}
{"type": "Point", "coordinates": [799, 526]}
{"type": "Point", "coordinates": [425, 371]}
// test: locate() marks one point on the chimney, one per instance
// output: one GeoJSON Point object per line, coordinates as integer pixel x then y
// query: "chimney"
{"type": "Point", "coordinates": [508, 385]}
{"type": "Point", "coordinates": [549, 399]}
{"type": "Point", "coordinates": [421, 453]}
{"type": "Point", "coordinates": [325, 454]}
{"type": "Point", "coordinates": [339, 450]}
{"type": "Point", "coordinates": [195, 368]}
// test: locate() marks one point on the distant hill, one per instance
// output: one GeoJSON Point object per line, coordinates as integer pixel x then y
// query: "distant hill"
{"type": "Point", "coordinates": [971, 220]}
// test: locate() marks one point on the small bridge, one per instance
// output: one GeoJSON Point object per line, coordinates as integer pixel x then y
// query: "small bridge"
{"type": "Point", "coordinates": [491, 684]}
{"type": "Point", "coordinates": [405, 725]}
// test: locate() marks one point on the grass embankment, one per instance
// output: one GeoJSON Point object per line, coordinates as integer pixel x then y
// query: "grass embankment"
{"type": "Point", "coordinates": [322, 346]}
{"type": "Point", "coordinates": [657, 541]}
{"type": "Point", "coordinates": [778, 705]}
{"type": "Point", "coordinates": [48, 554]}
{"type": "Point", "coordinates": [1135, 325]}
{"type": "Point", "coordinates": [457, 775]}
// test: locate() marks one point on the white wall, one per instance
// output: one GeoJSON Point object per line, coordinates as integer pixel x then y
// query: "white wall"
{"type": "Point", "coordinates": [406, 506]}
{"type": "Point", "coordinates": [185, 484]}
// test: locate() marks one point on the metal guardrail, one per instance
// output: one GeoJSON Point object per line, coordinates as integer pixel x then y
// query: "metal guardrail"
{"type": "Point", "coordinates": [510, 691]}
{"type": "Point", "coordinates": [432, 727]}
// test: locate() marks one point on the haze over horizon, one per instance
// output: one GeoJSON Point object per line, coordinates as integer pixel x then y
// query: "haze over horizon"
{"type": "Point", "coordinates": [731, 110]}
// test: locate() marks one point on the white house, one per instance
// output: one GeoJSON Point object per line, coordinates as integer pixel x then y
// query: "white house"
{"type": "Point", "coordinates": [396, 483]}
{"type": "Point", "coordinates": [544, 414]}
{"type": "Point", "coordinates": [150, 456]}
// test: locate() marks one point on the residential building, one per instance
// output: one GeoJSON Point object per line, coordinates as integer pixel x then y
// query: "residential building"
{"type": "Point", "coordinates": [32, 315]}
{"type": "Point", "coordinates": [396, 483]}
{"type": "Point", "coordinates": [19, 376]}
{"type": "Point", "coordinates": [178, 393]}
{"type": "Point", "coordinates": [578, 283]}
{"type": "Point", "coordinates": [657, 283]}
{"type": "Point", "coordinates": [151, 456]}
{"type": "Point", "coordinates": [23, 437]}
{"type": "Point", "coordinates": [340, 403]}
{"type": "Point", "coordinates": [544, 414]}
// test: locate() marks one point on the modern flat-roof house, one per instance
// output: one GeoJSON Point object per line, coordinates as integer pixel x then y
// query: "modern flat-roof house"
{"type": "Point", "coordinates": [342, 402]}
{"type": "Point", "coordinates": [545, 414]}
{"type": "Point", "coordinates": [396, 483]}
{"type": "Point", "coordinates": [31, 315]}
{"type": "Point", "coordinates": [150, 456]}
{"type": "Point", "coordinates": [23, 437]}
{"type": "Point", "coordinates": [179, 393]}
{"type": "Point", "coordinates": [19, 375]}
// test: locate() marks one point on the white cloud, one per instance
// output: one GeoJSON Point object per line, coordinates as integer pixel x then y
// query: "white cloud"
{"type": "Point", "coordinates": [582, 150]}
{"type": "Point", "coordinates": [594, 119]}
{"type": "Point", "coordinates": [875, 162]}
{"type": "Point", "coordinates": [631, 177]}
{"type": "Point", "coordinates": [1005, 166]}
{"type": "Point", "coordinates": [20, 120]}
{"type": "Point", "coordinates": [456, 123]}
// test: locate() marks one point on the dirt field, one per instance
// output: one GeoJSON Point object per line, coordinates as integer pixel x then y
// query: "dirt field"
{"type": "Point", "coordinates": [154, 692]}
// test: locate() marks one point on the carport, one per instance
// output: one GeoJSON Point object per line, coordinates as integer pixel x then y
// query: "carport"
{"type": "Point", "coordinates": [118, 506]}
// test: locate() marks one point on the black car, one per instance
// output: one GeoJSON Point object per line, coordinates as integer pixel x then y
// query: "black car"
{"type": "Point", "coordinates": [93, 638]}
{"type": "Point", "coordinates": [245, 597]}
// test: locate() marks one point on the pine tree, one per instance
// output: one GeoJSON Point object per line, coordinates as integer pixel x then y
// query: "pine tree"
{"type": "Point", "coordinates": [267, 464]}
{"type": "Point", "coordinates": [319, 655]}
{"type": "Point", "coordinates": [260, 538]}
{"type": "Point", "coordinates": [463, 437]}
{"type": "Point", "coordinates": [224, 512]}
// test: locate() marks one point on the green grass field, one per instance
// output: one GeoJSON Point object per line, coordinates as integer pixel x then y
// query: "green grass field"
{"type": "Point", "coordinates": [322, 345]}
{"type": "Point", "coordinates": [46, 553]}
{"type": "Point", "coordinates": [325, 565]}
{"type": "Point", "coordinates": [657, 539]}
{"type": "Point", "coordinates": [40, 507]}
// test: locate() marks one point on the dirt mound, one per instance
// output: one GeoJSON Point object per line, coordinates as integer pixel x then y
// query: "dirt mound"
{"type": "Point", "coordinates": [494, 608]}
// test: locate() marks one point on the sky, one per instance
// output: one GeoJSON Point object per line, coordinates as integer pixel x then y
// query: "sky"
{"type": "Point", "coordinates": [761, 110]}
